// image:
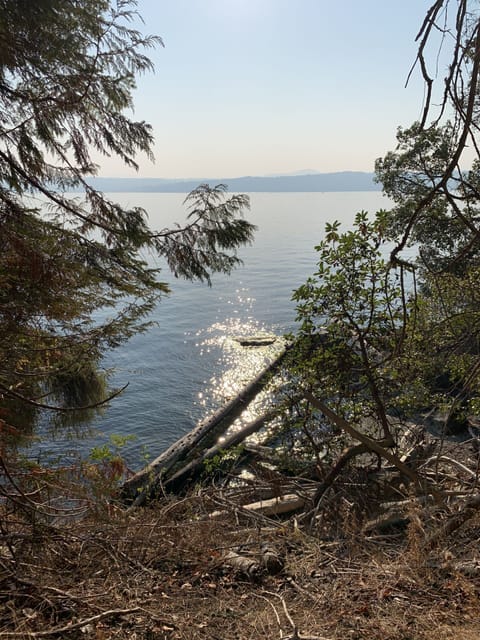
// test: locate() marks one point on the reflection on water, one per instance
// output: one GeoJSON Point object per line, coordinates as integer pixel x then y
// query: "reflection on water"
{"type": "Point", "coordinates": [237, 365]}
{"type": "Point", "coordinates": [188, 364]}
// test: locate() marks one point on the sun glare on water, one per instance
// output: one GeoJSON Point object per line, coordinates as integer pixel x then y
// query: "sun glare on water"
{"type": "Point", "coordinates": [238, 365]}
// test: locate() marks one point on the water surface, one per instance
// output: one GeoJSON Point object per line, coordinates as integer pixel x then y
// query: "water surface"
{"type": "Point", "coordinates": [188, 363]}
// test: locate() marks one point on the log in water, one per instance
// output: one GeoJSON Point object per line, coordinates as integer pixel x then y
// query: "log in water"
{"type": "Point", "coordinates": [142, 485]}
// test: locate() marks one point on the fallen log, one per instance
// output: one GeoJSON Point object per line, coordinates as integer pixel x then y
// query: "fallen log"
{"type": "Point", "coordinates": [267, 560]}
{"type": "Point", "coordinates": [395, 519]}
{"type": "Point", "coordinates": [193, 469]}
{"type": "Point", "coordinates": [276, 506]}
{"type": "Point", "coordinates": [248, 566]}
{"type": "Point", "coordinates": [138, 488]}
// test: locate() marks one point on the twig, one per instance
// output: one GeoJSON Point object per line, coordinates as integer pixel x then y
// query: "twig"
{"type": "Point", "coordinates": [70, 627]}
{"type": "Point", "coordinates": [305, 592]}
{"type": "Point", "coordinates": [279, 622]}
{"type": "Point", "coordinates": [295, 635]}
{"type": "Point", "coordinates": [287, 614]}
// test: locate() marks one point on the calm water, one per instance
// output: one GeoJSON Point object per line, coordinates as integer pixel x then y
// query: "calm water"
{"type": "Point", "coordinates": [188, 364]}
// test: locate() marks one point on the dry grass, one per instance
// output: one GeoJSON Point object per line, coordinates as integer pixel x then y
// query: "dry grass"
{"type": "Point", "coordinates": [158, 574]}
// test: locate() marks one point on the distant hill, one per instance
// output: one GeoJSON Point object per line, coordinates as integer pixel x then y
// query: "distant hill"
{"type": "Point", "coordinates": [339, 181]}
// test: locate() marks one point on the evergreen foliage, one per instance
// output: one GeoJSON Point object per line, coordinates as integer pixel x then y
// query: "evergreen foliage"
{"type": "Point", "coordinates": [73, 280]}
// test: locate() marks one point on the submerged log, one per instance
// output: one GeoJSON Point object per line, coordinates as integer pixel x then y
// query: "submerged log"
{"type": "Point", "coordinates": [139, 487]}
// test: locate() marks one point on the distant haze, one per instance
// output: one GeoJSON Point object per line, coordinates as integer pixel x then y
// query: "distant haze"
{"type": "Point", "coordinates": [266, 87]}
{"type": "Point", "coordinates": [300, 182]}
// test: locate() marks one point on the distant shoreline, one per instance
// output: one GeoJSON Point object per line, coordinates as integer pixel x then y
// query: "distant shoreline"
{"type": "Point", "coordinates": [317, 182]}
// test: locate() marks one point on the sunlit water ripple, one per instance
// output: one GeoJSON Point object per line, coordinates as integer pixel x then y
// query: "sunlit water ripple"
{"type": "Point", "coordinates": [188, 364]}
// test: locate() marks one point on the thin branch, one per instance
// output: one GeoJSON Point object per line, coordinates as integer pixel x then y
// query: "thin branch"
{"type": "Point", "coordinates": [373, 445]}
{"type": "Point", "coordinates": [69, 627]}
{"type": "Point", "coordinates": [40, 405]}
{"type": "Point", "coordinates": [443, 182]}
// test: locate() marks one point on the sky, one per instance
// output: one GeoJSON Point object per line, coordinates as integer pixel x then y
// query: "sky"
{"type": "Point", "coordinates": [261, 87]}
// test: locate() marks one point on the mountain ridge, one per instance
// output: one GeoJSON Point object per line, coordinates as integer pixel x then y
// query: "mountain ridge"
{"type": "Point", "coordinates": [314, 182]}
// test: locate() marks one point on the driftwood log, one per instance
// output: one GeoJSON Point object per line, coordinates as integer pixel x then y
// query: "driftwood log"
{"type": "Point", "coordinates": [140, 486]}
{"type": "Point", "coordinates": [193, 469]}
{"type": "Point", "coordinates": [253, 565]}
{"type": "Point", "coordinates": [276, 506]}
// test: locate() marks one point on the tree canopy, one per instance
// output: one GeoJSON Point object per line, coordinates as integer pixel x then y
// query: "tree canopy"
{"type": "Point", "coordinates": [73, 277]}
{"type": "Point", "coordinates": [390, 321]}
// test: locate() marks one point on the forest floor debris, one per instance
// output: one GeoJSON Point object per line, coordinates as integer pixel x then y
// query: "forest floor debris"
{"type": "Point", "coordinates": [162, 573]}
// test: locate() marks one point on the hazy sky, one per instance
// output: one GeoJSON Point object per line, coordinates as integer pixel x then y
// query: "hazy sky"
{"type": "Point", "coordinates": [255, 87]}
